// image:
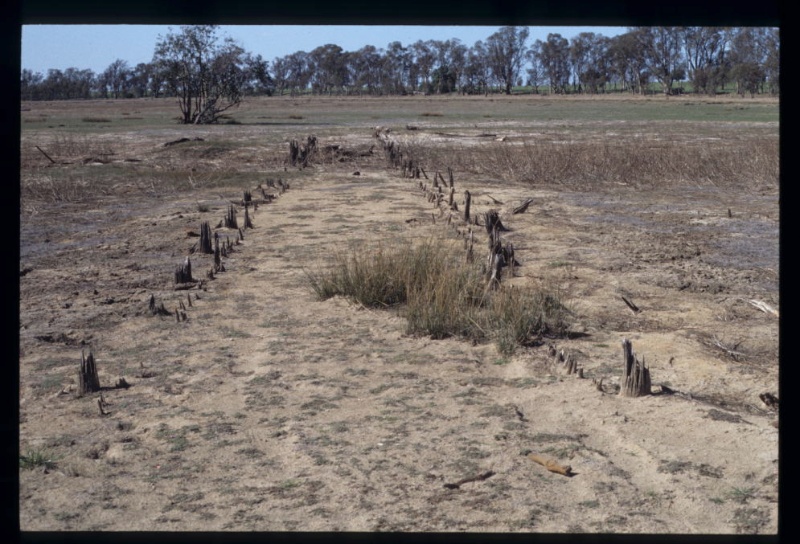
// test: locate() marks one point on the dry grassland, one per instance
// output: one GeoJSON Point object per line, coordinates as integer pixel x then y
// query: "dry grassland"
{"type": "Point", "coordinates": [268, 409]}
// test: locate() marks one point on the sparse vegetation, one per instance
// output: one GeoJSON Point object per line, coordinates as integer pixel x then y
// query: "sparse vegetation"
{"type": "Point", "coordinates": [443, 295]}
{"type": "Point", "coordinates": [37, 457]}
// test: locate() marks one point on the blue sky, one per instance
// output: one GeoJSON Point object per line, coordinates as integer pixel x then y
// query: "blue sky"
{"type": "Point", "coordinates": [97, 46]}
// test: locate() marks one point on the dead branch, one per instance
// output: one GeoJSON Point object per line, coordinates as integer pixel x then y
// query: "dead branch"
{"type": "Point", "coordinates": [480, 477]}
{"type": "Point", "coordinates": [551, 465]}
{"type": "Point", "coordinates": [522, 207]}
{"type": "Point", "coordinates": [631, 305]}
{"type": "Point", "coordinates": [764, 307]}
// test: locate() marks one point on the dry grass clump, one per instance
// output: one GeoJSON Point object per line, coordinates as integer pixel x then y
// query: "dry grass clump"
{"type": "Point", "coordinates": [745, 163]}
{"type": "Point", "coordinates": [441, 295]}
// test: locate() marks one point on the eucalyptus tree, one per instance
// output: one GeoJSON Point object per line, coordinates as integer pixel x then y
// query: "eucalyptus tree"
{"type": "Point", "coordinates": [280, 74]}
{"type": "Point", "coordinates": [579, 49]}
{"type": "Point", "coordinates": [627, 63]}
{"type": "Point", "coordinates": [588, 54]}
{"type": "Point", "coordinates": [748, 56]}
{"type": "Point", "coordinates": [364, 69]}
{"type": "Point", "coordinates": [705, 50]}
{"type": "Point", "coordinates": [206, 76]}
{"type": "Point", "coordinates": [554, 57]}
{"type": "Point", "coordinates": [477, 76]}
{"type": "Point", "coordinates": [299, 68]}
{"type": "Point", "coordinates": [535, 71]}
{"type": "Point", "coordinates": [772, 64]}
{"type": "Point", "coordinates": [396, 73]}
{"type": "Point", "coordinates": [114, 79]}
{"type": "Point", "coordinates": [424, 59]}
{"type": "Point", "coordinates": [139, 80]}
{"type": "Point", "coordinates": [662, 48]}
{"type": "Point", "coordinates": [506, 49]}
{"type": "Point", "coordinates": [258, 80]}
{"type": "Point", "coordinates": [328, 69]}
{"type": "Point", "coordinates": [30, 85]}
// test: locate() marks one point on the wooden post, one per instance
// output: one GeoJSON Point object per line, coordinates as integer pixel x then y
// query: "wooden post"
{"type": "Point", "coordinates": [635, 380]}
{"type": "Point", "coordinates": [205, 238]}
{"type": "Point", "coordinates": [88, 380]}
{"type": "Point", "coordinates": [467, 199]}
{"type": "Point", "coordinates": [217, 258]}
{"type": "Point", "coordinates": [183, 274]}
{"type": "Point", "coordinates": [230, 218]}
{"type": "Point", "coordinates": [450, 176]}
{"type": "Point", "coordinates": [248, 223]}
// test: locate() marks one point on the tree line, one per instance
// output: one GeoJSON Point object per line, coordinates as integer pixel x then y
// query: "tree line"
{"type": "Point", "coordinates": [208, 73]}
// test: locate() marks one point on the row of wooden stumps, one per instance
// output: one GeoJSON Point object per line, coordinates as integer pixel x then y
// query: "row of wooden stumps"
{"type": "Point", "coordinates": [635, 380]}
{"type": "Point", "coordinates": [211, 243]}
{"type": "Point", "coordinates": [441, 194]}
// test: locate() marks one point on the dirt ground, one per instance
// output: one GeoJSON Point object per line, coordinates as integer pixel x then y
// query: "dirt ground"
{"type": "Point", "coordinates": [268, 410]}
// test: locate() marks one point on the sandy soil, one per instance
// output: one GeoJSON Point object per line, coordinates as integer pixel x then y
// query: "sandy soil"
{"type": "Point", "coordinates": [269, 410]}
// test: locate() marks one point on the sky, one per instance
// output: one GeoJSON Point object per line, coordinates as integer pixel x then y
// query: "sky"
{"type": "Point", "coordinates": [96, 46]}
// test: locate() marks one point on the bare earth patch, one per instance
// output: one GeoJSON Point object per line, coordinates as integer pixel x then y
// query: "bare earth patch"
{"type": "Point", "coordinates": [269, 410]}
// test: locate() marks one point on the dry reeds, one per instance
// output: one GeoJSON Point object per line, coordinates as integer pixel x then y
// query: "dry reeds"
{"type": "Point", "coordinates": [639, 163]}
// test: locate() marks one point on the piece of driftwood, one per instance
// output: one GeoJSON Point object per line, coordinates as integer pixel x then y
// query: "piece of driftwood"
{"type": "Point", "coordinates": [46, 155]}
{"type": "Point", "coordinates": [634, 308]}
{"type": "Point", "coordinates": [551, 465]}
{"type": "Point", "coordinates": [88, 380]}
{"type": "Point", "coordinates": [480, 477]}
{"type": "Point", "coordinates": [770, 400]}
{"type": "Point", "coordinates": [764, 307]}
{"type": "Point", "coordinates": [635, 380]}
{"type": "Point", "coordinates": [182, 140]}
{"type": "Point", "coordinates": [522, 207]}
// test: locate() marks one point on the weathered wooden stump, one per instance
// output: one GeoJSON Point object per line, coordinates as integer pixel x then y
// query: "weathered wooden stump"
{"type": "Point", "coordinates": [230, 218]}
{"type": "Point", "coordinates": [88, 380]}
{"type": "Point", "coordinates": [635, 380]}
{"type": "Point", "coordinates": [467, 200]}
{"type": "Point", "coordinates": [157, 309]}
{"type": "Point", "coordinates": [205, 238]}
{"type": "Point", "coordinates": [492, 222]}
{"type": "Point", "coordinates": [183, 274]}
{"type": "Point", "coordinates": [248, 223]}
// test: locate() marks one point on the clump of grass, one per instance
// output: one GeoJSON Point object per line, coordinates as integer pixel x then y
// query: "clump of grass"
{"type": "Point", "coordinates": [37, 457]}
{"type": "Point", "coordinates": [441, 295]}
